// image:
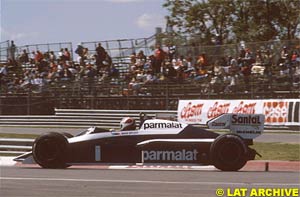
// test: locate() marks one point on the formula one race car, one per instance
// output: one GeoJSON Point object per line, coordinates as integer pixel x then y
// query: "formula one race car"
{"type": "Point", "coordinates": [156, 141]}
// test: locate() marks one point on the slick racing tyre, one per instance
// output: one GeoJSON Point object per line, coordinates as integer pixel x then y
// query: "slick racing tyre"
{"type": "Point", "coordinates": [228, 152]}
{"type": "Point", "coordinates": [49, 150]}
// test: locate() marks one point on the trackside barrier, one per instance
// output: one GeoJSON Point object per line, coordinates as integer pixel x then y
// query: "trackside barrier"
{"type": "Point", "coordinates": [15, 145]}
{"type": "Point", "coordinates": [82, 118]}
{"type": "Point", "coordinates": [278, 112]}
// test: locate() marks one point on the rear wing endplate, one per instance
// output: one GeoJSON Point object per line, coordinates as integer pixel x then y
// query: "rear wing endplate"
{"type": "Point", "coordinates": [248, 126]}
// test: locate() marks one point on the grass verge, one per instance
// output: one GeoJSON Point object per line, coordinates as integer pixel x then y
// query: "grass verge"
{"type": "Point", "coordinates": [277, 151]}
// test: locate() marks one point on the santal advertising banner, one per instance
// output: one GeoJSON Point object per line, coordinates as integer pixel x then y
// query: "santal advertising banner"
{"type": "Point", "coordinates": [277, 111]}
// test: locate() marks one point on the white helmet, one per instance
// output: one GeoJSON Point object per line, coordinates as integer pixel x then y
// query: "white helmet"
{"type": "Point", "coordinates": [127, 124]}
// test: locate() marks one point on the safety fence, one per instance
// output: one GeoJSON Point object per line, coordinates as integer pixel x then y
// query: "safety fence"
{"type": "Point", "coordinates": [82, 118]}
{"type": "Point", "coordinates": [47, 47]}
{"type": "Point", "coordinates": [4, 46]}
{"type": "Point", "coordinates": [15, 145]}
{"type": "Point", "coordinates": [73, 118]}
{"type": "Point", "coordinates": [121, 49]}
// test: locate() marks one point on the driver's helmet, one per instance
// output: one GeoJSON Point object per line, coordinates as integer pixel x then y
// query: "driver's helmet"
{"type": "Point", "coordinates": [127, 124]}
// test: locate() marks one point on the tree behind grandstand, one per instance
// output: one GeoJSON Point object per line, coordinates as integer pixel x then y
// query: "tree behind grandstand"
{"type": "Point", "coordinates": [230, 21]}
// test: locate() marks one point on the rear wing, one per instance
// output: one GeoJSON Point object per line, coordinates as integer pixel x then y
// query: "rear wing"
{"type": "Point", "coordinates": [248, 126]}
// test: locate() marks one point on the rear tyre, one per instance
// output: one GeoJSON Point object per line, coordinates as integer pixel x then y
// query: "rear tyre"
{"type": "Point", "coordinates": [228, 152]}
{"type": "Point", "coordinates": [49, 150]}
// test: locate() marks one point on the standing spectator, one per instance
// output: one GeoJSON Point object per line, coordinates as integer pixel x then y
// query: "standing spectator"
{"type": "Point", "coordinates": [67, 54]}
{"type": "Point", "coordinates": [171, 52]}
{"type": "Point", "coordinates": [38, 57]}
{"type": "Point", "coordinates": [52, 56]}
{"type": "Point", "coordinates": [12, 51]}
{"type": "Point", "coordinates": [141, 57]}
{"type": "Point", "coordinates": [79, 50]}
{"type": "Point", "coordinates": [159, 56]}
{"type": "Point", "coordinates": [101, 53]}
{"type": "Point", "coordinates": [32, 57]}
{"type": "Point", "coordinates": [24, 58]}
{"type": "Point", "coordinates": [91, 74]}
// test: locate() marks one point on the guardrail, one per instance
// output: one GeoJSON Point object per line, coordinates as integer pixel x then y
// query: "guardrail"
{"type": "Point", "coordinates": [82, 118]}
{"type": "Point", "coordinates": [15, 145]}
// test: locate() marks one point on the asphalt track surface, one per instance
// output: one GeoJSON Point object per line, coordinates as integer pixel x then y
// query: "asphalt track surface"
{"type": "Point", "coordinates": [26, 181]}
{"type": "Point", "coordinates": [279, 136]}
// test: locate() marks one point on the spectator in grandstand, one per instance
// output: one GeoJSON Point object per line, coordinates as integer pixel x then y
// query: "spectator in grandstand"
{"type": "Point", "coordinates": [159, 57]}
{"type": "Point", "coordinates": [79, 50]}
{"type": "Point", "coordinates": [12, 50]}
{"type": "Point", "coordinates": [32, 57]}
{"type": "Point", "coordinates": [101, 54]}
{"type": "Point", "coordinates": [52, 56]}
{"type": "Point", "coordinates": [246, 73]}
{"type": "Point", "coordinates": [189, 64]}
{"type": "Point", "coordinates": [65, 74]}
{"type": "Point", "coordinates": [248, 59]}
{"type": "Point", "coordinates": [60, 55]}
{"type": "Point", "coordinates": [134, 86]}
{"type": "Point", "coordinates": [141, 58]}
{"type": "Point", "coordinates": [150, 78]}
{"type": "Point", "coordinates": [171, 52]}
{"type": "Point", "coordinates": [169, 72]}
{"type": "Point", "coordinates": [284, 54]}
{"type": "Point", "coordinates": [38, 57]}
{"type": "Point", "coordinates": [200, 73]}
{"type": "Point", "coordinates": [67, 55]}
{"type": "Point", "coordinates": [85, 55]}
{"type": "Point", "coordinates": [24, 58]}
{"type": "Point", "coordinates": [114, 72]}
{"type": "Point", "coordinates": [218, 70]}
{"type": "Point", "coordinates": [202, 60]}
{"type": "Point", "coordinates": [90, 74]}
{"type": "Point", "coordinates": [294, 57]}
{"type": "Point", "coordinates": [258, 67]}
{"type": "Point", "coordinates": [3, 71]}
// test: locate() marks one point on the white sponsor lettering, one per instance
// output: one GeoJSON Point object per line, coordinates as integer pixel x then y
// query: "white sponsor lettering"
{"type": "Point", "coordinates": [182, 155]}
{"type": "Point", "coordinates": [161, 125]}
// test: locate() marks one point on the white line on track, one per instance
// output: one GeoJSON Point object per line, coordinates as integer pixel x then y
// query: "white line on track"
{"type": "Point", "coordinates": [145, 181]}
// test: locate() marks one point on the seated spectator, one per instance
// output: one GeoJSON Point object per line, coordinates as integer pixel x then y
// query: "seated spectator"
{"type": "Point", "coordinates": [3, 70]}
{"type": "Point", "coordinates": [114, 72]}
{"type": "Point", "coordinates": [65, 74]}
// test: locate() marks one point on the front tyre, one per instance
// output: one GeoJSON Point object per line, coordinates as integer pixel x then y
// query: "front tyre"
{"type": "Point", "coordinates": [49, 150]}
{"type": "Point", "coordinates": [228, 152]}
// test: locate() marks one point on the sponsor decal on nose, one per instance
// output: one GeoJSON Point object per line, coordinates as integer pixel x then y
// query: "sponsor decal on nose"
{"type": "Point", "coordinates": [162, 125]}
{"type": "Point", "coordinates": [180, 155]}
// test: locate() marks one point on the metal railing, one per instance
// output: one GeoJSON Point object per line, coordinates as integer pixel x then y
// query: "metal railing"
{"type": "Point", "coordinates": [47, 47]}
{"type": "Point", "coordinates": [4, 46]}
{"type": "Point", "coordinates": [15, 145]}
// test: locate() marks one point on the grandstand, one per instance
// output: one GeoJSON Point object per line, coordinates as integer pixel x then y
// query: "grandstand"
{"type": "Point", "coordinates": [47, 76]}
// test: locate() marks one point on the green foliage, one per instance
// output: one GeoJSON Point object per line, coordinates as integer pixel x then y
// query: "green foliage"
{"type": "Point", "coordinates": [228, 21]}
{"type": "Point", "coordinates": [277, 151]}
